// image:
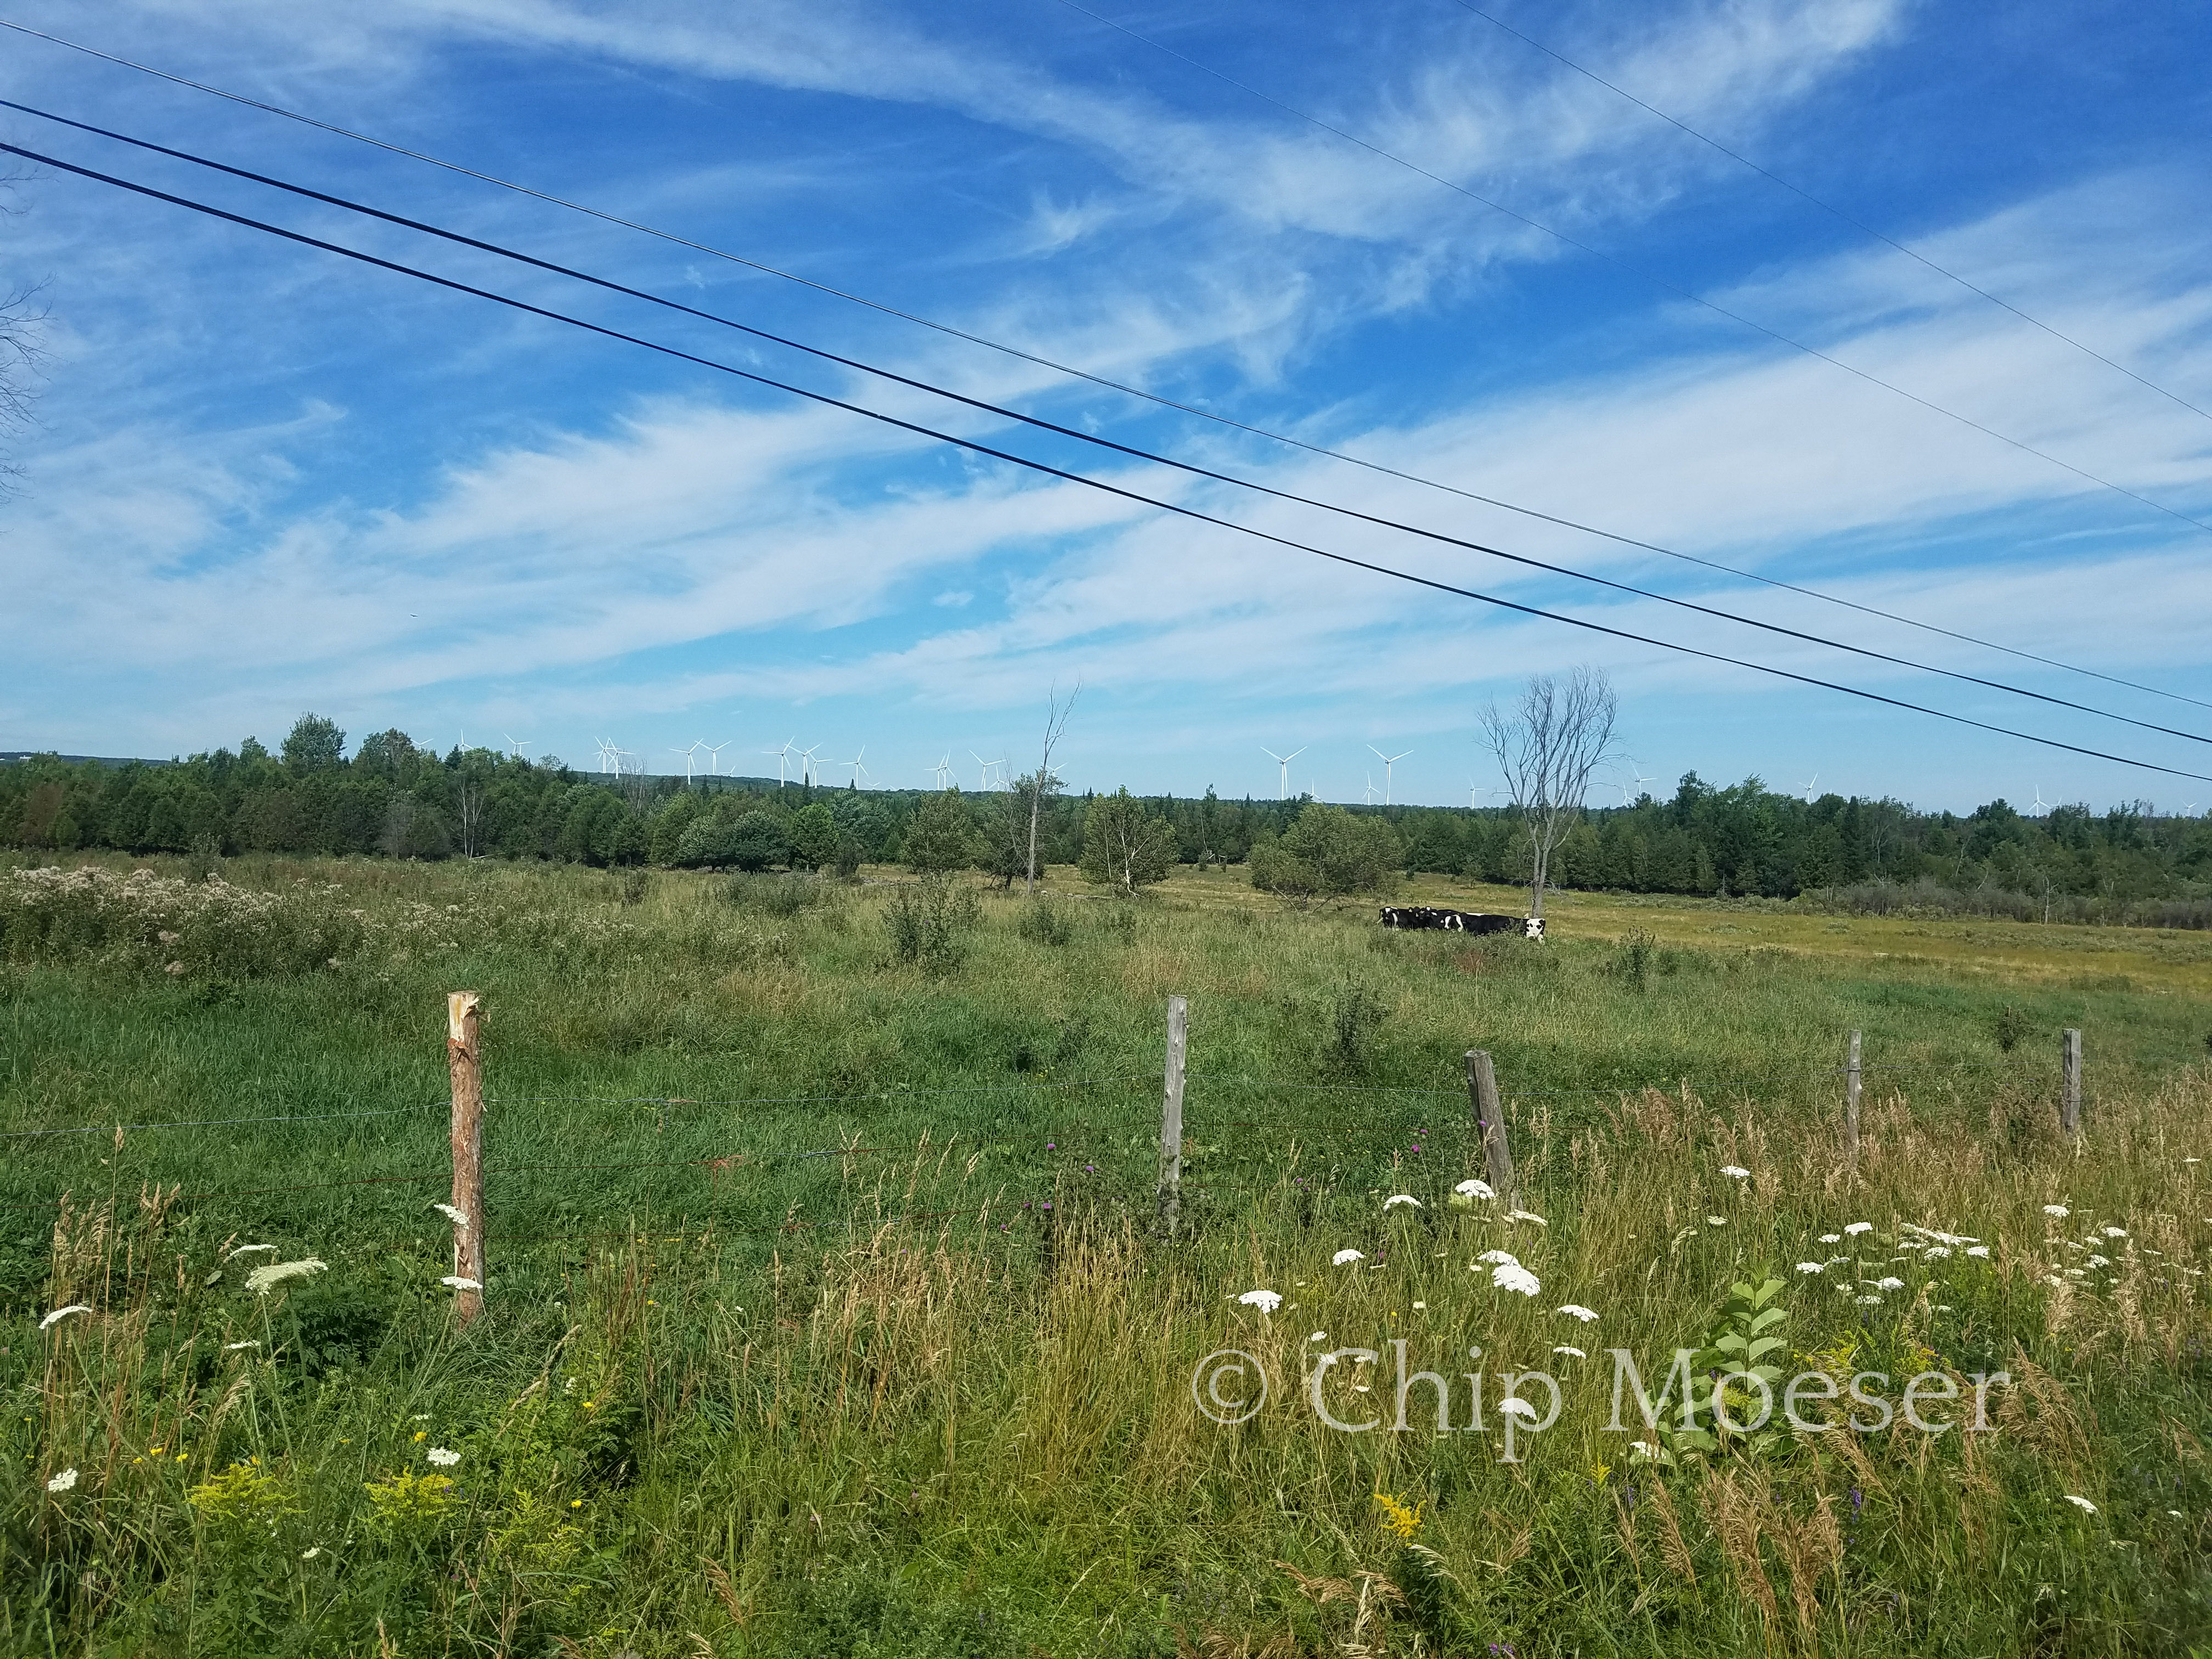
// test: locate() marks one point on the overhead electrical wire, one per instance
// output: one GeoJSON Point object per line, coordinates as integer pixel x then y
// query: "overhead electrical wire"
{"type": "Point", "coordinates": [1153, 398]}
{"type": "Point", "coordinates": [1045, 468]}
{"type": "Point", "coordinates": [1657, 281]}
{"type": "Point", "coordinates": [1859, 225]}
{"type": "Point", "coordinates": [1091, 439]}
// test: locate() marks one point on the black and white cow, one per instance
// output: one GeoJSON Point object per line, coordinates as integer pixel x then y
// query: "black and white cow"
{"type": "Point", "coordinates": [1459, 921]}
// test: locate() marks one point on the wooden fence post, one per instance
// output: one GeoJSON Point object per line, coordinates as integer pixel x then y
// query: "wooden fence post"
{"type": "Point", "coordinates": [2069, 1093]}
{"type": "Point", "coordinates": [1852, 1082]}
{"type": "Point", "coordinates": [464, 1060]}
{"type": "Point", "coordinates": [1170, 1188]}
{"type": "Point", "coordinates": [1490, 1124]}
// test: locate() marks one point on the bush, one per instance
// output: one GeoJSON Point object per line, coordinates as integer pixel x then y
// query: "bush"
{"type": "Point", "coordinates": [2011, 1025]}
{"type": "Point", "coordinates": [1123, 845]}
{"type": "Point", "coordinates": [940, 838]}
{"type": "Point", "coordinates": [1328, 852]}
{"type": "Point", "coordinates": [774, 896]}
{"type": "Point", "coordinates": [1044, 922]}
{"type": "Point", "coordinates": [1633, 957]}
{"type": "Point", "coordinates": [1353, 1016]}
{"type": "Point", "coordinates": [753, 841]}
{"type": "Point", "coordinates": [926, 922]}
{"type": "Point", "coordinates": [179, 927]}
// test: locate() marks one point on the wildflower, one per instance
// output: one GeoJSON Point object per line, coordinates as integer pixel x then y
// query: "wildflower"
{"type": "Point", "coordinates": [1982, 1250]}
{"type": "Point", "coordinates": [1397, 1517]}
{"type": "Point", "coordinates": [1397, 1199]}
{"type": "Point", "coordinates": [456, 1282]}
{"type": "Point", "coordinates": [1496, 1256]}
{"type": "Point", "coordinates": [2082, 1504]}
{"type": "Point", "coordinates": [420, 1435]}
{"type": "Point", "coordinates": [1475, 1189]}
{"type": "Point", "coordinates": [1869, 1300]}
{"type": "Point", "coordinates": [65, 1481]}
{"type": "Point", "coordinates": [1717, 1221]}
{"type": "Point", "coordinates": [1735, 1172]}
{"type": "Point", "coordinates": [1524, 1215]}
{"type": "Point", "coordinates": [1891, 1284]}
{"type": "Point", "coordinates": [2115, 1232]}
{"type": "Point", "coordinates": [266, 1279]}
{"type": "Point", "coordinates": [1831, 1238]}
{"type": "Point", "coordinates": [575, 1503]}
{"type": "Point", "coordinates": [2077, 1273]}
{"type": "Point", "coordinates": [2100, 1261]}
{"type": "Point", "coordinates": [252, 1249]}
{"type": "Point", "coordinates": [442, 1458]}
{"type": "Point", "coordinates": [1511, 1276]}
{"type": "Point", "coordinates": [1318, 1336]}
{"type": "Point", "coordinates": [156, 1451]}
{"type": "Point", "coordinates": [456, 1217]}
{"type": "Point", "coordinates": [1811, 1267]}
{"type": "Point", "coordinates": [2057, 1212]}
{"type": "Point", "coordinates": [1266, 1301]}
{"type": "Point", "coordinates": [1345, 1258]}
{"type": "Point", "coordinates": [1857, 1228]}
{"type": "Point", "coordinates": [1937, 1252]}
{"type": "Point", "coordinates": [1577, 1352]}
{"type": "Point", "coordinates": [1420, 1307]}
{"type": "Point", "coordinates": [1514, 1405]}
{"type": "Point", "coordinates": [60, 1314]}
{"type": "Point", "coordinates": [233, 1347]}
{"type": "Point", "coordinates": [1575, 1310]}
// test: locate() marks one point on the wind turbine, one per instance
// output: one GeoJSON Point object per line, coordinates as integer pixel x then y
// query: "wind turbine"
{"type": "Point", "coordinates": [859, 770]}
{"type": "Point", "coordinates": [714, 754]}
{"type": "Point", "coordinates": [687, 754]}
{"type": "Point", "coordinates": [1389, 761]}
{"type": "Point", "coordinates": [1283, 784]}
{"type": "Point", "coordinates": [806, 766]}
{"type": "Point", "coordinates": [517, 747]}
{"type": "Point", "coordinates": [1808, 785]}
{"type": "Point", "coordinates": [783, 756]}
{"type": "Point", "coordinates": [1371, 789]}
{"type": "Point", "coordinates": [984, 779]}
{"type": "Point", "coordinates": [943, 770]}
{"type": "Point", "coordinates": [2041, 806]}
{"type": "Point", "coordinates": [1474, 789]}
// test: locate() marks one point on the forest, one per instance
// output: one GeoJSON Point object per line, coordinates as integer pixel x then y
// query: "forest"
{"type": "Point", "coordinates": [391, 798]}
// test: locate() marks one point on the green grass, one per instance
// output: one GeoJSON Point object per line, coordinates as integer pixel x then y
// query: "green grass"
{"type": "Point", "coordinates": [825, 1316]}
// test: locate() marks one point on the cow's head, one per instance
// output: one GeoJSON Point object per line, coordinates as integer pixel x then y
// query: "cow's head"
{"type": "Point", "coordinates": [1535, 927]}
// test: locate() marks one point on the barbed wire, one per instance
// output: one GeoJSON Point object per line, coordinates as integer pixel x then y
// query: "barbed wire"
{"type": "Point", "coordinates": [214, 1122]}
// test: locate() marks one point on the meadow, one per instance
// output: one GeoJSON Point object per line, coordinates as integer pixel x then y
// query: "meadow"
{"type": "Point", "coordinates": [827, 1313]}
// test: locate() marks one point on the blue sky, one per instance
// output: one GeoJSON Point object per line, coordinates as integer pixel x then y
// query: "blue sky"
{"type": "Point", "coordinates": [268, 480]}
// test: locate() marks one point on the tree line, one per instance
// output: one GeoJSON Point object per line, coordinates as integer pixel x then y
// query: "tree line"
{"type": "Point", "coordinates": [391, 798]}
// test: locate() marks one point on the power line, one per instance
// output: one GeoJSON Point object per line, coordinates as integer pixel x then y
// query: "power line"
{"type": "Point", "coordinates": [1049, 470]}
{"type": "Point", "coordinates": [1080, 436]}
{"type": "Point", "coordinates": [1825, 207]}
{"type": "Point", "coordinates": [1594, 251]}
{"type": "Point", "coordinates": [1099, 379]}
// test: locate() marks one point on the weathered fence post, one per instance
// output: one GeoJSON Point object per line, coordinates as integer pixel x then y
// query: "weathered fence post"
{"type": "Point", "coordinates": [1852, 1082]}
{"type": "Point", "coordinates": [1490, 1124]}
{"type": "Point", "coordinates": [2069, 1087]}
{"type": "Point", "coordinates": [464, 1060]}
{"type": "Point", "coordinates": [1170, 1187]}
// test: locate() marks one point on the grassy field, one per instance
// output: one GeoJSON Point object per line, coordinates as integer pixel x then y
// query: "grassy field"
{"type": "Point", "coordinates": [826, 1316]}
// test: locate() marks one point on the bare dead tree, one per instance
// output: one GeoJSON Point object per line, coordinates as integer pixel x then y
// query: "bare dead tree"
{"type": "Point", "coordinates": [1548, 745]}
{"type": "Point", "coordinates": [1055, 722]}
{"type": "Point", "coordinates": [22, 328]}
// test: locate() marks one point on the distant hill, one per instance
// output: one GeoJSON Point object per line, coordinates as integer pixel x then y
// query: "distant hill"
{"type": "Point", "coordinates": [9, 755]}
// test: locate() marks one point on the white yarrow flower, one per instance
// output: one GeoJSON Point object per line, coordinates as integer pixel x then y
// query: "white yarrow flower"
{"type": "Point", "coordinates": [1937, 1252]}
{"type": "Point", "coordinates": [1525, 1215]}
{"type": "Point", "coordinates": [1735, 1172]}
{"type": "Point", "coordinates": [1717, 1221]}
{"type": "Point", "coordinates": [1397, 1199]}
{"type": "Point", "coordinates": [1577, 1352]}
{"type": "Point", "coordinates": [1345, 1258]}
{"type": "Point", "coordinates": [60, 1314]}
{"type": "Point", "coordinates": [1496, 1256]}
{"type": "Point", "coordinates": [1513, 1405]}
{"type": "Point", "coordinates": [2115, 1232]}
{"type": "Point", "coordinates": [266, 1279]}
{"type": "Point", "coordinates": [1318, 1336]}
{"type": "Point", "coordinates": [233, 1347]}
{"type": "Point", "coordinates": [1266, 1301]}
{"type": "Point", "coordinates": [1831, 1238]}
{"type": "Point", "coordinates": [443, 1458]}
{"type": "Point", "coordinates": [1892, 1284]}
{"type": "Point", "coordinates": [1475, 1189]}
{"type": "Point", "coordinates": [456, 1217]}
{"type": "Point", "coordinates": [1857, 1228]}
{"type": "Point", "coordinates": [1575, 1310]}
{"type": "Point", "coordinates": [1511, 1276]}
{"type": "Point", "coordinates": [456, 1282]}
{"type": "Point", "coordinates": [252, 1250]}
{"type": "Point", "coordinates": [2058, 1211]}
{"type": "Point", "coordinates": [65, 1481]}
{"type": "Point", "coordinates": [1982, 1250]}
{"type": "Point", "coordinates": [2082, 1504]}
{"type": "Point", "coordinates": [1870, 1301]}
{"type": "Point", "coordinates": [2100, 1261]}
{"type": "Point", "coordinates": [1811, 1267]}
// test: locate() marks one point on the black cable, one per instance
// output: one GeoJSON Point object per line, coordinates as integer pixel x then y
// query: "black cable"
{"type": "Point", "coordinates": [1836, 212]}
{"type": "Point", "coordinates": [1594, 251]}
{"type": "Point", "coordinates": [1099, 379]}
{"type": "Point", "coordinates": [1038, 421]}
{"type": "Point", "coordinates": [1049, 470]}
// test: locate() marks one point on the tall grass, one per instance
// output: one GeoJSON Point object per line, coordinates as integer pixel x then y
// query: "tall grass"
{"type": "Point", "coordinates": [931, 1392]}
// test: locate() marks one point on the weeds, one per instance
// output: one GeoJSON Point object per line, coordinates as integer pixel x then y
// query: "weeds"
{"type": "Point", "coordinates": [1045, 921]}
{"type": "Point", "coordinates": [927, 922]}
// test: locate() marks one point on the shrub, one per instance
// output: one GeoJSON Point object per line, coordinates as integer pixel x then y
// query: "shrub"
{"type": "Point", "coordinates": [752, 841]}
{"type": "Point", "coordinates": [1633, 957]}
{"type": "Point", "coordinates": [1328, 852]}
{"type": "Point", "coordinates": [1123, 845]}
{"type": "Point", "coordinates": [774, 896]}
{"type": "Point", "coordinates": [2011, 1025]}
{"type": "Point", "coordinates": [926, 921]}
{"type": "Point", "coordinates": [180, 927]}
{"type": "Point", "coordinates": [1043, 922]}
{"type": "Point", "coordinates": [1353, 1016]}
{"type": "Point", "coordinates": [940, 838]}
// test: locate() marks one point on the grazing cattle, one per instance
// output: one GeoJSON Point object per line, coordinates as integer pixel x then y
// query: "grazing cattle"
{"type": "Point", "coordinates": [1459, 921]}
